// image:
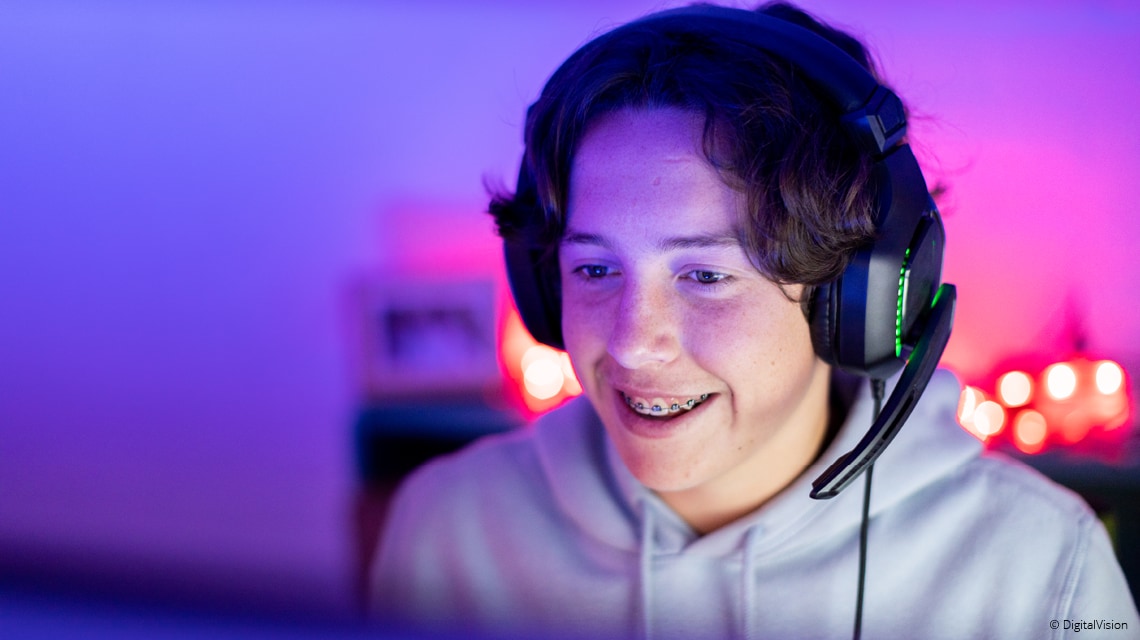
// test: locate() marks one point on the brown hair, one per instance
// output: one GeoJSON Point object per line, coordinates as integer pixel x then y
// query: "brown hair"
{"type": "Point", "coordinates": [766, 130]}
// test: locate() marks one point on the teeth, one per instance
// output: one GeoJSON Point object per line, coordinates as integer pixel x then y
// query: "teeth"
{"type": "Point", "coordinates": [662, 406]}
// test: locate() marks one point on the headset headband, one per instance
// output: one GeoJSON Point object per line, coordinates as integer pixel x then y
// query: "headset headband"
{"type": "Point", "coordinates": [874, 115]}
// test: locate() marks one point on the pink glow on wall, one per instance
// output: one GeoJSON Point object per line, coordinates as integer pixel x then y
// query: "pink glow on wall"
{"type": "Point", "coordinates": [1032, 129]}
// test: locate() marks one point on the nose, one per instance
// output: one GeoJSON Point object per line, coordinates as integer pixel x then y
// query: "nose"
{"type": "Point", "coordinates": [645, 327]}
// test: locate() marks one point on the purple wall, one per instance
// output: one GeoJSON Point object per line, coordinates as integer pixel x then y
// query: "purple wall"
{"type": "Point", "coordinates": [188, 190]}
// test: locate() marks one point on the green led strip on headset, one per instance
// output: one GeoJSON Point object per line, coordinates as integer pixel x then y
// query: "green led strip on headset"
{"type": "Point", "coordinates": [901, 302]}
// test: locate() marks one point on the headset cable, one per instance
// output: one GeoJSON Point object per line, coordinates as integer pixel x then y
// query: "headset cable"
{"type": "Point", "coordinates": [877, 391]}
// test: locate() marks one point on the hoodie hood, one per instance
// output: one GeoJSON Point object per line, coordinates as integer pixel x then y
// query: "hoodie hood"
{"type": "Point", "coordinates": [610, 505]}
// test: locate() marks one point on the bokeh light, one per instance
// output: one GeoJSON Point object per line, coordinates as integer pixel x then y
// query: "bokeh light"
{"type": "Point", "coordinates": [1029, 431]}
{"type": "Point", "coordinates": [1109, 377]}
{"type": "Point", "coordinates": [968, 403]}
{"type": "Point", "coordinates": [542, 372]}
{"type": "Point", "coordinates": [1015, 388]}
{"type": "Point", "coordinates": [989, 418]}
{"type": "Point", "coordinates": [1060, 381]}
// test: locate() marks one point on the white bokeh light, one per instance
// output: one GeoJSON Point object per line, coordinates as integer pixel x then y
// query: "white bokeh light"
{"type": "Point", "coordinates": [1060, 381]}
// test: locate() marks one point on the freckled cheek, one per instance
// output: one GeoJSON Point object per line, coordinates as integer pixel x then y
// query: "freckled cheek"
{"type": "Point", "coordinates": [584, 327]}
{"type": "Point", "coordinates": [575, 314]}
{"type": "Point", "coordinates": [717, 331]}
{"type": "Point", "coordinates": [747, 339]}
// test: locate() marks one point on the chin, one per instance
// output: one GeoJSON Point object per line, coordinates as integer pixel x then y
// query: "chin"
{"type": "Point", "coordinates": [669, 454]}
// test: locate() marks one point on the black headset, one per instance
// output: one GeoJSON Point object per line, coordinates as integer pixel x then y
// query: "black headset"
{"type": "Point", "coordinates": [888, 309]}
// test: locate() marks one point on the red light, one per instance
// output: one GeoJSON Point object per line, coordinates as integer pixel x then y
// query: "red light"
{"type": "Point", "coordinates": [1029, 430]}
{"type": "Point", "coordinates": [1109, 377]}
{"type": "Point", "coordinates": [542, 372]}
{"type": "Point", "coordinates": [968, 403]}
{"type": "Point", "coordinates": [1074, 426]}
{"type": "Point", "coordinates": [989, 418]}
{"type": "Point", "coordinates": [541, 376]}
{"type": "Point", "coordinates": [1015, 389]}
{"type": "Point", "coordinates": [1060, 381]}
{"type": "Point", "coordinates": [1063, 404]}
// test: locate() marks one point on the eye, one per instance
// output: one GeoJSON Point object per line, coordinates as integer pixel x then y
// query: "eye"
{"type": "Point", "coordinates": [593, 271]}
{"type": "Point", "coordinates": [707, 277]}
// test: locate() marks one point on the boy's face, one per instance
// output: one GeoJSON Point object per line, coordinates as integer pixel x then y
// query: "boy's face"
{"type": "Point", "coordinates": [701, 369]}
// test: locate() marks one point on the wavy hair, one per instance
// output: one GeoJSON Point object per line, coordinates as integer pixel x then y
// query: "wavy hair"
{"type": "Point", "coordinates": [767, 131]}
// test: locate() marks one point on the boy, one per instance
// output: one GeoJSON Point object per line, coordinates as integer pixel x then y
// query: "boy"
{"type": "Point", "coordinates": [688, 201]}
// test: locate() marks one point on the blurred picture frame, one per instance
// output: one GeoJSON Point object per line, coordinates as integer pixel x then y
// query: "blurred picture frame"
{"type": "Point", "coordinates": [429, 337]}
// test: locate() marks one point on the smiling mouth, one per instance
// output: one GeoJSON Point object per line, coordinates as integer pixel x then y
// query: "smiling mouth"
{"type": "Point", "coordinates": [662, 407]}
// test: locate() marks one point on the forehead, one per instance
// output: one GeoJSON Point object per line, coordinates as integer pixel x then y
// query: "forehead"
{"type": "Point", "coordinates": [636, 168]}
{"type": "Point", "coordinates": [664, 129]}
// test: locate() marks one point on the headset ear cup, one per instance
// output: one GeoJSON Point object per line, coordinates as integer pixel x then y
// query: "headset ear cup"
{"type": "Point", "coordinates": [531, 270]}
{"type": "Point", "coordinates": [822, 321]}
{"type": "Point", "coordinates": [535, 287]}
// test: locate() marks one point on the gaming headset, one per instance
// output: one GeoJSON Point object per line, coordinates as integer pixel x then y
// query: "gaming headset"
{"type": "Point", "coordinates": [888, 309]}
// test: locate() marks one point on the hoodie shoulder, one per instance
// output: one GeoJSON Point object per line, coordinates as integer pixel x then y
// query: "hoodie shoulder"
{"type": "Point", "coordinates": [1025, 534]}
{"type": "Point", "coordinates": [477, 535]}
{"type": "Point", "coordinates": [449, 518]}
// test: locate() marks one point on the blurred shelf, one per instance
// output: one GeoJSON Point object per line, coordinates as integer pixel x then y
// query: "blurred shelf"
{"type": "Point", "coordinates": [395, 437]}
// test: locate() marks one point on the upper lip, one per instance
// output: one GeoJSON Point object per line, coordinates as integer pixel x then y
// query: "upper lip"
{"type": "Point", "coordinates": [647, 386]}
{"type": "Point", "coordinates": [642, 393]}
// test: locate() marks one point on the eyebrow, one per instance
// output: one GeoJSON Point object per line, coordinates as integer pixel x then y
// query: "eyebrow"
{"type": "Point", "coordinates": [673, 243]}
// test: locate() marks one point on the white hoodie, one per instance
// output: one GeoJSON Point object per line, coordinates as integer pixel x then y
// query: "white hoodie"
{"type": "Point", "coordinates": [544, 532]}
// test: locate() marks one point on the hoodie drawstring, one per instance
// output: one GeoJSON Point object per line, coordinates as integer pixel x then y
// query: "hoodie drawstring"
{"type": "Point", "coordinates": [748, 583]}
{"type": "Point", "coordinates": [646, 567]}
{"type": "Point", "coordinates": [748, 606]}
